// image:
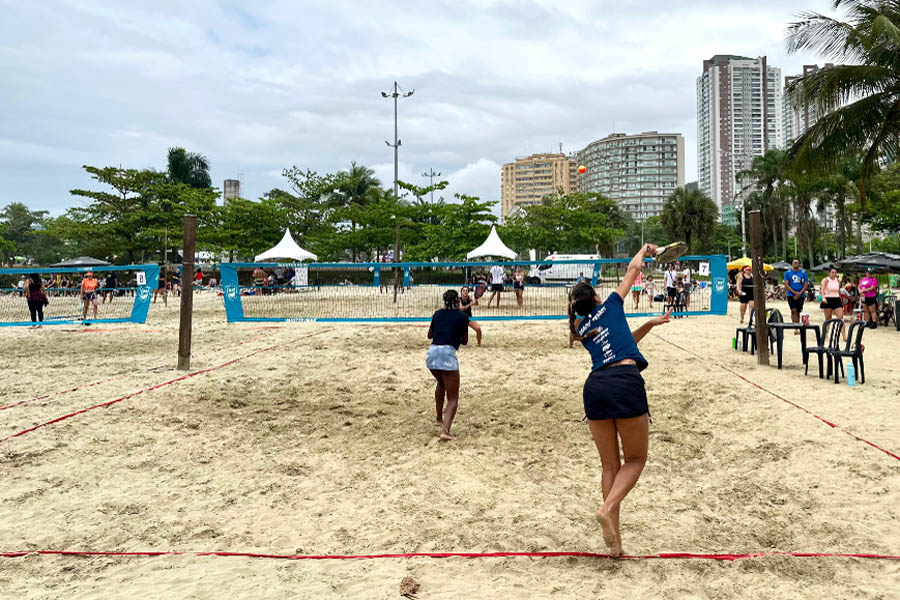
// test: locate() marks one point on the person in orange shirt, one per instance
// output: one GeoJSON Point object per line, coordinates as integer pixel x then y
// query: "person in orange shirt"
{"type": "Point", "coordinates": [89, 287]}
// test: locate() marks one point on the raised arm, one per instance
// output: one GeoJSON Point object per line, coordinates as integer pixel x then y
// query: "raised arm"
{"type": "Point", "coordinates": [639, 333]}
{"type": "Point", "coordinates": [634, 267]}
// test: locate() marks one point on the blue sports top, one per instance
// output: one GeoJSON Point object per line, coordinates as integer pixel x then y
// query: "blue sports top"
{"type": "Point", "coordinates": [613, 340]}
{"type": "Point", "coordinates": [796, 279]}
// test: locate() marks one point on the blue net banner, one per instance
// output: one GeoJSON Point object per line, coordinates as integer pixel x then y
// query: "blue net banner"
{"type": "Point", "coordinates": [122, 295]}
{"type": "Point", "coordinates": [362, 292]}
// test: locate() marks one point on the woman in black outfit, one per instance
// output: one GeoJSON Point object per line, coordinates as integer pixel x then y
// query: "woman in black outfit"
{"type": "Point", "coordinates": [37, 299]}
{"type": "Point", "coordinates": [465, 304]}
{"type": "Point", "coordinates": [449, 328]}
{"type": "Point", "coordinates": [745, 289]}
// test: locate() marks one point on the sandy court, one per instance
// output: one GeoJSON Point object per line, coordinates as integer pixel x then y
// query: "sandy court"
{"type": "Point", "coordinates": [319, 440]}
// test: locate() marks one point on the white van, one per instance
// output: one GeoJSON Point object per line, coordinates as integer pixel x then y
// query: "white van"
{"type": "Point", "coordinates": [564, 273]}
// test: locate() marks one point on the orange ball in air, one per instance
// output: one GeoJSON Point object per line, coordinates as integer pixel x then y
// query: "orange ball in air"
{"type": "Point", "coordinates": [582, 169]}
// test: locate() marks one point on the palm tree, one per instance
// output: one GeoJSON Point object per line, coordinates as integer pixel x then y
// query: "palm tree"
{"type": "Point", "coordinates": [190, 168]}
{"type": "Point", "coordinates": [690, 216]}
{"type": "Point", "coordinates": [356, 189]}
{"type": "Point", "coordinates": [767, 175]}
{"type": "Point", "coordinates": [869, 123]}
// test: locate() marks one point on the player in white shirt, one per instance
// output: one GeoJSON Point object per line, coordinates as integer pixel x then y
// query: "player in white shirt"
{"type": "Point", "coordinates": [497, 275]}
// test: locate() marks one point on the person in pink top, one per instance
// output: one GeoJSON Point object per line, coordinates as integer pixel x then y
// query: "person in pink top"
{"type": "Point", "coordinates": [830, 288]}
{"type": "Point", "coordinates": [637, 289]}
{"type": "Point", "coordinates": [868, 289]}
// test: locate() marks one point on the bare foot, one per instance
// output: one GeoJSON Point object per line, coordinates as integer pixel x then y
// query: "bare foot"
{"type": "Point", "coordinates": [609, 534]}
{"type": "Point", "coordinates": [446, 437]}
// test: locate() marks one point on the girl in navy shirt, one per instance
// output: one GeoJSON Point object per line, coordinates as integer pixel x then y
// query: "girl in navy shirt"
{"type": "Point", "coordinates": [449, 328]}
{"type": "Point", "coordinates": [615, 401]}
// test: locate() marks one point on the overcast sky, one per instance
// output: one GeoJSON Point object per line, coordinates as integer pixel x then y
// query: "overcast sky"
{"type": "Point", "coordinates": [260, 86]}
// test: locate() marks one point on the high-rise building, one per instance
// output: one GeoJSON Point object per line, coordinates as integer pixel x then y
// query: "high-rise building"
{"type": "Point", "coordinates": [232, 189]}
{"type": "Point", "coordinates": [637, 171]}
{"type": "Point", "coordinates": [798, 120]}
{"type": "Point", "coordinates": [739, 112]}
{"type": "Point", "coordinates": [529, 179]}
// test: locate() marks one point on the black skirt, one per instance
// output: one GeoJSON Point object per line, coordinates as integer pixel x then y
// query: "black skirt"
{"type": "Point", "coordinates": [615, 393]}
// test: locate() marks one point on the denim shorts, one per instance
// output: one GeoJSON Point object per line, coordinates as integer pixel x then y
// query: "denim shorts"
{"type": "Point", "coordinates": [442, 358]}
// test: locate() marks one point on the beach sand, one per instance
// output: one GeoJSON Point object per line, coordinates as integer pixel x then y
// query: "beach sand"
{"type": "Point", "coordinates": [319, 440]}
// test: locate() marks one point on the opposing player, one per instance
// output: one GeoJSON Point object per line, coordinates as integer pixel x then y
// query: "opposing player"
{"type": "Point", "coordinates": [615, 401]}
{"type": "Point", "coordinates": [89, 287]}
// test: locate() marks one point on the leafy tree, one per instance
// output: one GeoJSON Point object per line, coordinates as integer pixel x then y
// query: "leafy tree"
{"type": "Point", "coordinates": [189, 168]}
{"type": "Point", "coordinates": [131, 221]}
{"type": "Point", "coordinates": [867, 84]}
{"type": "Point", "coordinates": [20, 230]}
{"type": "Point", "coordinates": [690, 216]}
{"type": "Point", "coordinates": [448, 231]}
{"type": "Point", "coordinates": [765, 176]}
{"type": "Point", "coordinates": [579, 223]}
{"type": "Point", "coordinates": [883, 212]}
{"type": "Point", "coordinates": [244, 228]}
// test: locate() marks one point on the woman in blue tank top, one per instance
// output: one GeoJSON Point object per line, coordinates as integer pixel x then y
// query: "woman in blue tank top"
{"type": "Point", "coordinates": [615, 401]}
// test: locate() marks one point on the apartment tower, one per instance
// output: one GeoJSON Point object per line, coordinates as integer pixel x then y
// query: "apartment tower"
{"type": "Point", "coordinates": [638, 171]}
{"type": "Point", "coordinates": [529, 179]}
{"type": "Point", "coordinates": [798, 120]}
{"type": "Point", "coordinates": [739, 117]}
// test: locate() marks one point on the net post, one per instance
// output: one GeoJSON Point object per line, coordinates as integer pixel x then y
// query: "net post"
{"type": "Point", "coordinates": [759, 289]}
{"type": "Point", "coordinates": [187, 293]}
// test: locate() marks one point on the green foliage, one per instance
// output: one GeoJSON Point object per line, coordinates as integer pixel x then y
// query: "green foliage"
{"type": "Point", "coordinates": [883, 212]}
{"type": "Point", "coordinates": [690, 216]}
{"type": "Point", "coordinates": [571, 223]}
{"type": "Point", "coordinates": [866, 87]}
{"type": "Point", "coordinates": [189, 168]}
{"type": "Point", "coordinates": [130, 222]}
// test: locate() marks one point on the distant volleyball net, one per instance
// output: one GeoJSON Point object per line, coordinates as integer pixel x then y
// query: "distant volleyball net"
{"type": "Point", "coordinates": [413, 291]}
{"type": "Point", "coordinates": [122, 294]}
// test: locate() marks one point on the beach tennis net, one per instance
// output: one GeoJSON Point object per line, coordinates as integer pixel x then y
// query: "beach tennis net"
{"type": "Point", "coordinates": [413, 291]}
{"type": "Point", "coordinates": [122, 294]}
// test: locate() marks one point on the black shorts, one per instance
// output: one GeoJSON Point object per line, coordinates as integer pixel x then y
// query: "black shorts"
{"type": "Point", "coordinates": [517, 285]}
{"type": "Point", "coordinates": [796, 303]}
{"type": "Point", "coordinates": [615, 393]}
{"type": "Point", "coordinates": [89, 296]}
{"type": "Point", "coordinates": [496, 287]}
{"type": "Point", "coordinates": [161, 285]}
{"type": "Point", "coordinates": [670, 292]}
{"type": "Point", "coordinates": [870, 301]}
{"type": "Point", "coordinates": [747, 297]}
{"type": "Point", "coordinates": [833, 303]}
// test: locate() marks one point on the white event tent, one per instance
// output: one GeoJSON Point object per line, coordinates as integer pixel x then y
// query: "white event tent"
{"type": "Point", "coordinates": [286, 248]}
{"type": "Point", "coordinates": [492, 246]}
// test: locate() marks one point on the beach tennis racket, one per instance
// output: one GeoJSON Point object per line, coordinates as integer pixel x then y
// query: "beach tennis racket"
{"type": "Point", "coordinates": [671, 252]}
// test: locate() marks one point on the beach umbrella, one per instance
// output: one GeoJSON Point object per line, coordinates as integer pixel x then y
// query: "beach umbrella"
{"type": "Point", "coordinates": [880, 261]}
{"type": "Point", "coordinates": [744, 261]}
{"type": "Point", "coordinates": [825, 266]}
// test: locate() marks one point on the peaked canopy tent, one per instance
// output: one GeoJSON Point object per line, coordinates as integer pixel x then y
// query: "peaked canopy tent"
{"type": "Point", "coordinates": [492, 246]}
{"type": "Point", "coordinates": [286, 248]}
{"type": "Point", "coordinates": [82, 261]}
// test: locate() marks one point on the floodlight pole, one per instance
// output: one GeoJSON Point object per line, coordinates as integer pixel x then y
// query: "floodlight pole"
{"type": "Point", "coordinates": [431, 175]}
{"type": "Point", "coordinates": [395, 94]}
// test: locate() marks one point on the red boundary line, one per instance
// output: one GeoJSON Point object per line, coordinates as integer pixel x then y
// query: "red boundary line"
{"type": "Point", "coordinates": [98, 382]}
{"type": "Point", "coordinates": [794, 404]}
{"type": "Point", "coordinates": [155, 387]}
{"type": "Point", "coordinates": [660, 555]}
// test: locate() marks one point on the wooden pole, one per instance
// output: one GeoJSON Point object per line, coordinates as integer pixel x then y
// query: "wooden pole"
{"type": "Point", "coordinates": [759, 288]}
{"type": "Point", "coordinates": [187, 293]}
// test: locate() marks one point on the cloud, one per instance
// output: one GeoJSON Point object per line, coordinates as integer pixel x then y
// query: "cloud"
{"type": "Point", "coordinates": [258, 87]}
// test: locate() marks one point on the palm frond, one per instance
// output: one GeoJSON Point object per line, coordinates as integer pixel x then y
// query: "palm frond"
{"type": "Point", "coordinates": [848, 130]}
{"type": "Point", "coordinates": [824, 35]}
{"type": "Point", "coordinates": [835, 86]}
